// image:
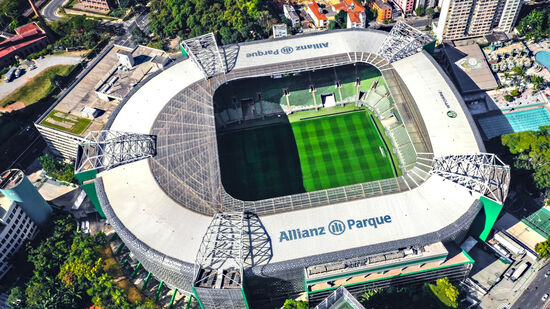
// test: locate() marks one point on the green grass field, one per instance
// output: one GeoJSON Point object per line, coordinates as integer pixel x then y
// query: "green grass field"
{"type": "Point", "coordinates": [38, 87]}
{"type": "Point", "coordinates": [303, 155]}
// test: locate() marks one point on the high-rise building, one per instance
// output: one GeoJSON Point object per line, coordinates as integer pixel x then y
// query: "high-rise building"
{"type": "Point", "coordinates": [507, 14]}
{"type": "Point", "coordinates": [22, 211]}
{"type": "Point", "coordinates": [461, 19]}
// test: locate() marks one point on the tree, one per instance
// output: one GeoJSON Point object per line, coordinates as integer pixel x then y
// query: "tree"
{"type": "Point", "coordinates": [341, 19]}
{"type": "Point", "coordinates": [536, 25]}
{"type": "Point", "coordinates": [519, 71]}
{"type": "Point", "coordinates": [332, 25]}
{"type": "Point", "coordinates": [16, 297]}
{"type": "Point", "coordinates": [508, 98]}
{"type": "Point", "coordinates": [370, 14]}
{"type": "Point", "coordinates": [514, 93]}
{"type": "Point", "coordinates": [445, 292]}
{"type": "Point", "coordinates": [138, 36]}
{"type": "Point", "coordinates": [420, 11]}
{"type": "Point", "coordinates": [537, 81]}
{"type": "Point", "coordinates": [293, 304]}
{"type": "Point", "coordinates": [430, 13]}
{"type": "Point", "coordinates": [543, 248]}
{"type": "Point", "coordinates": [531, 150]}
{"type": "Point", "coordinates": [57, 169]}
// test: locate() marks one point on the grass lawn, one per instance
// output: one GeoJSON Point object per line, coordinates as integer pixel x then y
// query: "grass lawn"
{"type": "Point", "coordinates": [38, 87]}
{"type": "Point", "coordinates": [75, 125]}
{"type": "Point", "coordinates": [303, 155]}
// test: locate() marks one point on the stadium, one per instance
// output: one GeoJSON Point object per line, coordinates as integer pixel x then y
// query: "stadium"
{"type": "Point", "coordinates": [250, 173]}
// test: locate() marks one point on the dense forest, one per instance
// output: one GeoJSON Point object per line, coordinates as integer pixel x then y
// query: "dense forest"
{"type": "Point", "coordinates": [231, 21]}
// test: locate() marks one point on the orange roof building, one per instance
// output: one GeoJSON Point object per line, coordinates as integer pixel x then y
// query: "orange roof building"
{"type": "Point", "coordinates": [28, 39]}
{"type": "Point", "coordinates": [356, 13]}
{"type": "Point", "coordinates": [319, 18]}
{"type": "Point", "coordinates": [383, 8]}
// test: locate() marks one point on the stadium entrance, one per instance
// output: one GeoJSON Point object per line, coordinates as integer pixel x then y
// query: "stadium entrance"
{"type": "Point", "coordinates": [304, 132]}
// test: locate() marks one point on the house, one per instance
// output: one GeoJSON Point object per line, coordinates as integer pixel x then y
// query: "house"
{"type": "Point", "coordinates": [28, 39]}
{"type": "Point", "coordinates": [356, 13]}
{"type": "Point", "coordinates": [317, 14]}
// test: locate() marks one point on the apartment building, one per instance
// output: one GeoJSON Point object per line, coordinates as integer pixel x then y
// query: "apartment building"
{"type": "Point", "coordinates": [355, 12]}
{"type": "Point", "coordinates": [383, 8]}
{"type": "Point", "coordinates": [461, 19]}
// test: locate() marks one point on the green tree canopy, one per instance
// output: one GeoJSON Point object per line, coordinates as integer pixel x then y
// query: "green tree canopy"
{"type": "Point", "coordinates": [446, 292]}
{"type": "Point", "coordinates": [243, 20]}
{"type": "Point", "coordinates": [536, 25]}
{"type": "Point", "coordinates": [430, 12]}
{"type": "Point", "coordinates": [293, 304]}
{"type": "Point", "coordinates": [531, 150]}
{"type": "Point", "coordinates": [543, 248]}
{"type": "Point", "coordinates": [341, 19]}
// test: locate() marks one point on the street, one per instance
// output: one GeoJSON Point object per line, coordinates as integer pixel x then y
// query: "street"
{"type": "Point", "coordinates": [49, 10]}
{"type": "Point", "coordinates": [142, 20]}
{"type": "Point", "coordinates": [531, 297]}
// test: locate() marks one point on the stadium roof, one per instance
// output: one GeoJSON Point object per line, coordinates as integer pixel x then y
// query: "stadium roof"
{"type": "Point", "coordinates": [429, 210]}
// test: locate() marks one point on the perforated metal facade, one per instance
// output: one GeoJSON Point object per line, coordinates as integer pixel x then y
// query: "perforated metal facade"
{"type": "Point", "coordinates": [187, 166]}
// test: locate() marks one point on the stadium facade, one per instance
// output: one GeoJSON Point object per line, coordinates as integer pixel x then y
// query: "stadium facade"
{"type": "Point", "coordinates": [159, 179]}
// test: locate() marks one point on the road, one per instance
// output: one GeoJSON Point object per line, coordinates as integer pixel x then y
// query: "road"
{"type": "Point", "coordinates": [51, 8]}
{"type": "Point", "coordinates": [142, 20]}
{"type": "Point", "coordinates": [41, 65]}
{"type": "Point", "coordinates": [531, 297]}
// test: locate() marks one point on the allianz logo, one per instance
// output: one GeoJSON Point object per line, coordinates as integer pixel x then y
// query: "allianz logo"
{"type": "Point", "coordinates": [334, 227]}
{"type": "Point", "coordinates": [286, 49]}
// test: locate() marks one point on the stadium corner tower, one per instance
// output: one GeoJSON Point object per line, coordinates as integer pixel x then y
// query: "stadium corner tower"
{"type": "Point", "coordinates": [386, 205]}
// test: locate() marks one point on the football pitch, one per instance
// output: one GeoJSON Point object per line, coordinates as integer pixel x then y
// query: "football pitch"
{"type": "Point", "coordinates": [307, 154]}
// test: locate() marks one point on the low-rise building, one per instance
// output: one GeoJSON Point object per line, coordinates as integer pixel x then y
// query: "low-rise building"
{"type": "Point", "coordinates": [384, 10]}
{"type": "Point", "coordinates": [96, 95]}
{"type": "Point", "coordinates": [356, 17]}
{"type": "Point", "coordinates": [291, 14]}
{"type": "Point", "coordinates": [320, 19]}
{"type": "Point", "coordinates": [28, 39]}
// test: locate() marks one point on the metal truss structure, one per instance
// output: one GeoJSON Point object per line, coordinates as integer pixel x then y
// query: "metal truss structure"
{"type": "Point", "coordinates": [222, 245]}
{"type": "Point", "coordinates": [279, 31]}
{"type": "Point", "coordinates": [205, 53]}
{"type": "Point", "coordinates": [403, 41]}
{"type": "Point", "coordinates": [484, 173]}
{"type": "Point", "coordinates": [102, 150]}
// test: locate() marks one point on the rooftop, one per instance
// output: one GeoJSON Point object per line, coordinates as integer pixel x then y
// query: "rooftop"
{"type": "Point", "coordinates": [11, 179]}
{"type": "Point", "coordinates": [383, 5]}
{"type": "Point", "coordinates": [68, 116]}
{"type": "Point", "coordinates": [470, 69]}
{"type": "Point", "coordinates": [433, 208]}
{"type": "Point", "coordinates": [25, 35]}
{"type": "Point", "coordinates": [314, 7]}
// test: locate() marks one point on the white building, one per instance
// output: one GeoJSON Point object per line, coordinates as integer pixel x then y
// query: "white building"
{"type": "Point", "coordinates": [291, 14]}
{"type": "Point", "coordinates": [507, 15]}
{"type": "Point", "coordinates": [319, 18]}
{"type": "Point", "coordinates": [461, 19]}
{"type": "Point", "coordinates": [15, 228]}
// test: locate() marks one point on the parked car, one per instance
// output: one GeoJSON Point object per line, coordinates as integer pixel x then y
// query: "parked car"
{"type": "Point", "coordinates": [32, 67]}
{"type": "Point", "coordinates": [547, 274]}
{"type": "Point", "coordinates": [544, 297]}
